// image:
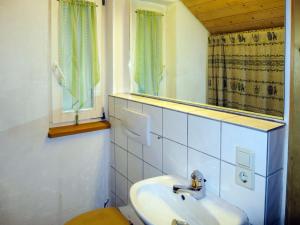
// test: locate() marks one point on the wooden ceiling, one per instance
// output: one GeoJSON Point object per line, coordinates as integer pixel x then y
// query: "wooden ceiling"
{"type": "Point", "coordinates": [225, 16]}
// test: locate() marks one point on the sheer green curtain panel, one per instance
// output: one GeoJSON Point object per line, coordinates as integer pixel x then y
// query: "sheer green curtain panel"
{"type": "Point", "coordinates": [78, 52]}
{"type": "Point", "coordinates": [148, 66]}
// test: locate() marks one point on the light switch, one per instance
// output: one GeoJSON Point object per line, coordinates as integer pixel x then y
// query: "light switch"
{"type": "Point", "coordinates": [245, 158]}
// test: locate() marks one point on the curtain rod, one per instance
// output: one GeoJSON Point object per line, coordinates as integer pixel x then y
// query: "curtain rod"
{"type": "Point", "coordinates": [103, 2]}
{"type": "Point", "coordinates": [159, 14]}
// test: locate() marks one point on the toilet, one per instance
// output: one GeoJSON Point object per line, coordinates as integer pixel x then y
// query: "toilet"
{"type": "Point", "coordinates": [107, 216]}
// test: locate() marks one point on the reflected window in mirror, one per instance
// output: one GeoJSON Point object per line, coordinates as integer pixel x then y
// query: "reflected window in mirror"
{"type": "Point", "coordinates": [148, 63]}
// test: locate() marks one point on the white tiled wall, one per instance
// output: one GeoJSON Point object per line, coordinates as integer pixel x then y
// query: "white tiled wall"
{"type": "Point", "coordinates": [235, 136]}
{"type": "Point", "coordinates": [174, 158]}
{"type": "Point", "coordinates": [175, 126]}
{"type": "Point", "coordinates": [208, 165]}
{"type": "Point", "coordinates": [252, 201]}
{"type": "Point", "coordinates": [153, 154]}
{"type": "Point", "coordinates": [135, 168]}
{"type": "Point", "coordinates": [182, 143]}
{"type": "Point", "coordinates": [204, 135]}
{"type": "Point", "coordinates": [156, 118]}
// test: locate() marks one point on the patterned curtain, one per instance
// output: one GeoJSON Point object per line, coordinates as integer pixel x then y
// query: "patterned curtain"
{"type": "Point", "coordinates": [246, 71]}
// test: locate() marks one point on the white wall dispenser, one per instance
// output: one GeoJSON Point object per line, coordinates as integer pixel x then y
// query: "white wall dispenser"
{"type": "Point", "coordinates": [136, 126]}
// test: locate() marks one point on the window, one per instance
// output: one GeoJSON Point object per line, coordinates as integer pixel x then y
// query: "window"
{"type": "Point", "coordinates": [76, 60]}
{"type": "Point", "coordinates": [148, 47]}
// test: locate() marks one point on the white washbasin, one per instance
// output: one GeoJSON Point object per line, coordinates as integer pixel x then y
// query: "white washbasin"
{"type": "Point", "coordinates": [156, 204]}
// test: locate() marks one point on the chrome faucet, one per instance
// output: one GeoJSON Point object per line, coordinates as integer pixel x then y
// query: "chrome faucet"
{"type": "Point", "coordinates": [197, 187]}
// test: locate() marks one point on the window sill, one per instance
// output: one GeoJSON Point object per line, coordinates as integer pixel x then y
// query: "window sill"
{"type": "Point", "coordinates": [77, 129]}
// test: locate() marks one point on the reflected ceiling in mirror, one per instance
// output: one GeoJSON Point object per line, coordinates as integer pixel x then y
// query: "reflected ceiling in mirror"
{"type": "Point", "coordinates": [225, 53]}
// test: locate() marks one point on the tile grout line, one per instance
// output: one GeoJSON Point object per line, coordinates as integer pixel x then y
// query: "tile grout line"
{"type": "Point", "coordinates": [266, 180]}
{"type": "Point", "coordinates": [127, 177]}
{"type": "Point", "coordinates": [162, 144]}
{"type": "Point", "coordinates": [220, 164]}
{"type": "Point", "coordinates": [143, 152]}
{"type": "Point", "coordinates": [187, 143]}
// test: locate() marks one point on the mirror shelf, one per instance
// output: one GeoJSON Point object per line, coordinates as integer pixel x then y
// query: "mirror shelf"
{"type": "Point", "coordinates": [250, 121]}
{"type": "Point", "coordinates": [210, 107]}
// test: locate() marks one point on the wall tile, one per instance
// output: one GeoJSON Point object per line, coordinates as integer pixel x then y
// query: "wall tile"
{"type": "Point", "coordinates": [175, 126]}
{"type": "Point", "coordinates": [111, 106]}
{"type": "Point", "coordinates": [121, 160]}
{"type": "Point", "coordinates": [119, 105]}
{"type": "Point", "coordinates": [251, 201]}
{"type": "Point", "coordinates": [204, 135]}
{"type": "Point", "coordinates": [135, 106]}
{"type": "Point", "coordinates": [129, 184]}
{"type": "Point", "coordinates": [112, 200]}
{"type": "Point", "coordinates": [235, 136]}
{"type": "Point", "coordinates": [120, 137]}
{"type": "Point", "coordinates": [274, 193]}
{"type": "Point", "coordinates": [121, 187]}
{"type": "Point", "coordinates": [150, 171]}
{"type": "Point", "coordinates": [153, 154]}
{"type": "Point", "coordinates": [275, 150]}
{"type": "Point", "coordinates": [208, 166]}
{"type": "Point", "coordinates": [174, 158]}
{"type": "Point", "coordinates": [135, 168]}
{"type": "Point", "coordinates": [112, 155]}
{"type": "Point", "coordinates": [135, 148]}
{"type": "Point", "coordinates": [120, 202]}
{"type": "Point", "coordinates": [156, 118]}
{"type": "Point", "coordinates": [112, 177]}
{"type": "Point", "coordinates": [112, 129]}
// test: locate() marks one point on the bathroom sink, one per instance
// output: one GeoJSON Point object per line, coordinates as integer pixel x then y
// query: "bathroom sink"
{"type": "Point", "coordinates": [156, 204]}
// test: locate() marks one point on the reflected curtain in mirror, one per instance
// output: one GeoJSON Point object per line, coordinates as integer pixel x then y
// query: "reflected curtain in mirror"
{"type": "Point", "coordinates": [78, 52]}
{"type": "Point", "coordinates": [246, 71]}
{"type": "Point", "coordinates": [148, 66]}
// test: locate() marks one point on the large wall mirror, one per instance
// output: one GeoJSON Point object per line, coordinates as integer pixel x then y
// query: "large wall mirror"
{"type": "Point", "coordinates": [226, 53]}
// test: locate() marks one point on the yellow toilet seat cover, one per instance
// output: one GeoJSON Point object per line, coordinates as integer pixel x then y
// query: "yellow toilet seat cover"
{"type": "Point", "coordinates": [107, 216]}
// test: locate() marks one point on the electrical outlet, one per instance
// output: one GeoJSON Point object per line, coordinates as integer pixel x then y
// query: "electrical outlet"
{"type": "Point", "coordinates": [245, 177]}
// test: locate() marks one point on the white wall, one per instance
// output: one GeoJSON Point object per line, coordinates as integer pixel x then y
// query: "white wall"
{"type": "Point", "coordinates": [42, 181]}
{"type": "Point", "coordinates": [119, 14]}
{"type": "Point", "coordinates": [191, 44]}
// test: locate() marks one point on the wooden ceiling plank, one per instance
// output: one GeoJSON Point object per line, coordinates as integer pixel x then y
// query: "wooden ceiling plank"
{"type": "Point", "coordinates": [257, 25]}
{"type": "Point", "coordinates": [219, 5]}
{"type": "Point", "coordinates": [237, 15]}
{"type": "Point", "coordinates": [238, 9]}
{"type": "Point", "coordinates": [195, 3]}
{"type": "Point", "coordinates": [247, 17]}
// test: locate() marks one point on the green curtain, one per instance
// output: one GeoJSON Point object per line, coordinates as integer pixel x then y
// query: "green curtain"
{"type": "Point", "coordinates": [78, 52]}
{"type": "Point", "coordinates": [148, 67]}
{"type": "Point", "coordinates": [246, 70]}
